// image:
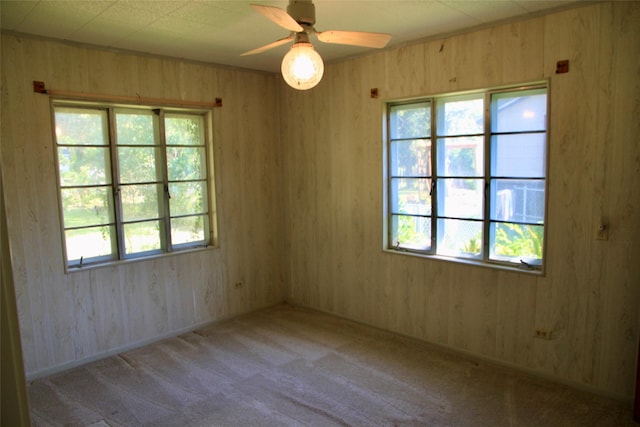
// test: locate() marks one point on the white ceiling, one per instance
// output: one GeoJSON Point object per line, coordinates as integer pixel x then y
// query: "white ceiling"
{"type": "Point", "coordinates": [216, 31]}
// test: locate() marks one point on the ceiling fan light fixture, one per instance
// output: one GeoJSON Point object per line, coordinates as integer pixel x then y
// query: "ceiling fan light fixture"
{"type": "Point", "coordinates": [302, 66]}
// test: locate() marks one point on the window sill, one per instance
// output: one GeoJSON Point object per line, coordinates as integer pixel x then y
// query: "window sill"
{"type": "Point", "coordinates": [123, 262]}
{"type": "Point", "coordinates": [470, 262]}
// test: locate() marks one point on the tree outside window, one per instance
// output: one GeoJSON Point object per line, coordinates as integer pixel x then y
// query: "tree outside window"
{"type": "Point", "coordinates": [133, 181]}
{"type": "Point", "coordinates": [467, 176]}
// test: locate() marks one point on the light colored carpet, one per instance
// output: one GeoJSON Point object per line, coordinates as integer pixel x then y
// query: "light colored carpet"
{"type": "Point", "coordinates": [288, 366]}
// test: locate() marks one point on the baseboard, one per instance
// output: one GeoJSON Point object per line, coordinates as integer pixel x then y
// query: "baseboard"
{"type": "Point", "coordinates": [485, 359]}
{"type": "Point", "coordinates": [440, 347]}
{"type": "Point", "coordinates": [47, 372]}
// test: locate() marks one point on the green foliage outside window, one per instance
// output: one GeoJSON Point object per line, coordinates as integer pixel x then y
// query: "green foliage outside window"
{"type": "Point", "coordinates": [488, 170]}
{"type": "Point", "coordinates": [519, 240]}
{"type": "Point", "coordinates": [511, 240]}
{"type": "Point", "coordinates": [87, 190]}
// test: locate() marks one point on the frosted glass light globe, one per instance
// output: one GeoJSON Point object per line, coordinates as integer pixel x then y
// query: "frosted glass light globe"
{"type": "Point", "coordinates": [302, 66]}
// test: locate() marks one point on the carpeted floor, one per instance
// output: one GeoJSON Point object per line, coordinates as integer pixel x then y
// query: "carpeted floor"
{"type": "Point", "coordinates": [288, 366]}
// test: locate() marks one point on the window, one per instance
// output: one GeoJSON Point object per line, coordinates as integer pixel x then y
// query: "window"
{"type": "Point", "coordinates": [466, 176]}
{"type": "Point", "coordinates": [133, 181]}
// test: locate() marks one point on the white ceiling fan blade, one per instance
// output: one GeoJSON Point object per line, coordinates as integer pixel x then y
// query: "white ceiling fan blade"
{"type": "Point", "coordinates": [278, 16]}
{"type": "Point", "coordinates": [269, 46]}
{"type": "Point", "coordinates": [355, 38]}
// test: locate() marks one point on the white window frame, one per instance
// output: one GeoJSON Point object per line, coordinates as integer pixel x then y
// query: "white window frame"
{"type": "Point", "coordinates": [163, 182]}
{"type": "Point", "coordinates": [432, 214]}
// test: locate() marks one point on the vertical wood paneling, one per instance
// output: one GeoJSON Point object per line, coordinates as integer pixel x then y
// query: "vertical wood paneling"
{"type": "Point", "coordinates": [299, 186]}
{"type": "Point", "coordinates": [436, 293]}
{"type": "Point", "coordinates": [594, 320]}
{"type": "Point", "coordinates": [515, 317]}
{"type": "Point", "coordinates": [522, 52]}
{"type": "Point", "coordinates": [37, 206]}
{"type": "Point", "coordinates": [373, 75]}
{"type": "Point", "coordinates": [66, 318]}
{"type": "Point", "coordinates": [439, 62]}
{"type": "Point", "coordinates": [172, 291]}
{"type": "Point", "coordinates": [408, 62]}
{"type": "Point", "coordinates": [150, 81]}
{"type": "Point", "coordinates": [588, 298]}
{"type": "Point", "coordinates": [301, 210]}
{"type": "Point", "coordinates": [107, 302]}
{"type": "Point", "coordinates": [477, 58]}
{"type": "Point", "coordinates": [621, 289]}
{"type": "Point", "coordinates": [574, 36]}
{"type": "Point", "coordinates": [12, 166]}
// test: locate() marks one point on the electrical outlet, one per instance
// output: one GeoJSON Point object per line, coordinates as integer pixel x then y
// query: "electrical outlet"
{"type": "Point", "coordinates": [238, 285]}
{"type": "Point", "coordinates": [542, 334]}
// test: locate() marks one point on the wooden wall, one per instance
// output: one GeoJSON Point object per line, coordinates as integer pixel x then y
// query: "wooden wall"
{"type": "Point", "coordinates": [67, 318]}
{"type": "Point", "coordinates": [590, 296]}
{"type": "Point", "coordinates": [299, 186]}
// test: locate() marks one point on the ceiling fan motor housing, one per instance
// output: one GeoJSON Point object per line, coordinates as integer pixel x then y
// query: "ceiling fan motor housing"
{"type": "Point", "coordinates": [304, 12]}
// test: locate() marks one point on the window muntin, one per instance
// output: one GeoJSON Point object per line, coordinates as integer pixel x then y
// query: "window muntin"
{"type": "Point", "coordinates": [486, 200]}
{"type": "Point", "coordinates": [459, 178]}
{"type": "Point", "coordinates": [140, 180]}
{"type": "Point", "coordinates": [187, 177]}
{"type": "Point", "coordinates": [517, 176]}
{"type": "Point", "coordinates": [133, 181]}
{"type": "Point", "coordinates": [84, 166]}
{"type": "Point", "coordinates": [410, 182]}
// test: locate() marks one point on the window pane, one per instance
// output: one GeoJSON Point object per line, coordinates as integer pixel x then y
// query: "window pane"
{"type": "Point", "coordinates": [84, 166]}
{"type": "Point", "coordinates": [459, 238]}
{"type": "Point", "coordinates": [188, 229]}
{"type": "Point", "coordinates": [517, 200]}
{"type": "Point", "coordinates": [516, 242]}
{"type": "Point", "coordinates": [141, 201]}
{"type": "Point", "coordinates": [460, 116]}
{"type": "Point", "coordinates": [411, 232]}
{"type": "Point", "coordinates": [410, 121]}
{"type": "Point", "coordinates": [460, 198]}
{"type": "Point", "coordinates": [81, 126]}
{"type": "Point", "coordinates": [142, 237]}
{"type": "Point", "coordinates": [461, 156]}
{"type": "Point", "coordinates": [184, 129]}
{"type": "Point", "coordinates": [87, 135]}
{"type": "Point", "coordinates": [411, 195]}
{"type": "Point", "coordinates": [138, 164]}
{"type": "Point", "coordinates": [519, 155]}
{"type": "Point", "coordinates": [87, 206]}
{"type": "Point", "coordinates": [136, 127]}
{"type": "Point", "coordinates": [186, 163]}
{"type": "Point", "coordinates": [410, 158]}
{"type": "Point", "coordinates": [519, 111]}
{"type": "Point", "coordinates": [89, 243]}
{"type": "Point", "coordinates": [188, 198]}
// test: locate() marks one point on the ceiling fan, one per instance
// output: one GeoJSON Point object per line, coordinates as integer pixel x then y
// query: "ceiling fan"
{"type": "Point", "coordinates": [302, 66]}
